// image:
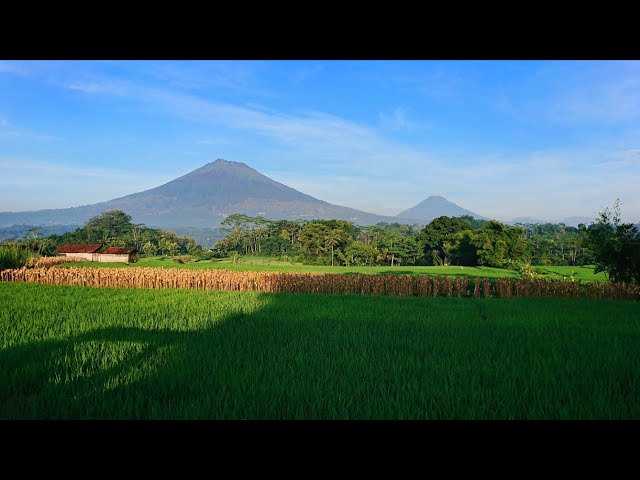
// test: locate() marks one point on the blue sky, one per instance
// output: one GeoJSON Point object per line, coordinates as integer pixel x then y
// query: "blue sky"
{"type": "Point", "coordinates": [546, 139]}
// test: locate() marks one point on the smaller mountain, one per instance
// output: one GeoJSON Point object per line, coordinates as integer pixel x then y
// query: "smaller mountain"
{"type": "Point", "coordinates": [436, 206]}
{"type": "Point", "coordinates": [575, 221]}
{"type": "Point", "coordinates": [527, 220]}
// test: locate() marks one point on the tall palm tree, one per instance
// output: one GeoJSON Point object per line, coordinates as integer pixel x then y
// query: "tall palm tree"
{"type": "Point", "coordinates": [331, 239]}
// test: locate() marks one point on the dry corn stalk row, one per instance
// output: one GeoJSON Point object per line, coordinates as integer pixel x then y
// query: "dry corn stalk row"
{"type": "Point", "coordinates": [476, 287]}
{"type": "Point", "coordinates": [486, 288]}
{"type": "Point", "coordinates": [357, 284]}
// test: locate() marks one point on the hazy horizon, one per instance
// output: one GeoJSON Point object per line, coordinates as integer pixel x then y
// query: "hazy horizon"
{"type": "Point", "coordinates": [505, 139]}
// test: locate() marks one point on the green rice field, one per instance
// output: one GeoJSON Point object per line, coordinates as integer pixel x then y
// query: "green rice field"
{"type": "Point", "coordinates": [90, 353]}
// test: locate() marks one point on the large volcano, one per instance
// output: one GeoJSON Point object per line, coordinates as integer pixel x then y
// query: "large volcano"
{"type": "Point", "coordinates": [203, 198]}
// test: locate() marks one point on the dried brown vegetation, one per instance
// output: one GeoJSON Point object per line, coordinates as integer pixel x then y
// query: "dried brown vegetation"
{"type": "Point", "coordinates": [46, 262]}
{"type": "Point", "coordinates": [357, 284]}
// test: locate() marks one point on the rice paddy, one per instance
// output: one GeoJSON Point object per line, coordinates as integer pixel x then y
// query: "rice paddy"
{"type": "Point", "coordinates": [71, 352]}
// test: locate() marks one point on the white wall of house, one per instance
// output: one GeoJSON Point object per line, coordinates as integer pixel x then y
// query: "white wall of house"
{"type": "Point", "coordinates": [107, 257]}
{"type": "Point", "coordinates": [89, 257]}
{"type": "Point", "coordinates": [100, 257]}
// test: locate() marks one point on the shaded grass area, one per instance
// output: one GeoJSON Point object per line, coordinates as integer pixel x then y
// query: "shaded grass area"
{"type": "Point", "coordinates": [74, 352]}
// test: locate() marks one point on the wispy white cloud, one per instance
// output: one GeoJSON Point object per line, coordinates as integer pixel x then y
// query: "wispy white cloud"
{"type": "Point", "coordinates": [571, 93]}
{"type": "Point", "coordinates": [317, 133]}
{"type": "Point", "coordinates": [7, 129]}
{"type": "Point", "coordinates": [12, 67]}
{"type": "Point", "coordinates": [237, 76]}
{"type": "Point", "coordinates": [432, 79]}
{"type": "Point", "coordinates": [608, 92]}
{"type": "Point", "coordinates": [308, 72]}
{"type": "Point", "coordinates": [110, 87]}
{"type": "Point", "coordinates": [65, 183]}
{"type": "Point", "coordinates": [622, 159]}
{"type": "Point", "coordinates": [214, 141]}
{"type": "Point", "coordinates": [399, 120]}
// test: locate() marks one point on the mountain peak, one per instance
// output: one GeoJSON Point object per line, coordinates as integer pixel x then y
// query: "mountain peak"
{"type": "Point", "coordinates": [222, 167]}
{"type": "Point", "coordinates": [222, 161]}
{"type": "Point", "coordinates": [435, 206]}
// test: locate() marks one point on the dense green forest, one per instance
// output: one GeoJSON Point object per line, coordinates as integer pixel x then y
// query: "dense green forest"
{"type": "Point", "coordinates": [444, 241]}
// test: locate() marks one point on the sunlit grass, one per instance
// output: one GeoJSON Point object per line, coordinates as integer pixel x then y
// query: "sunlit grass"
{"type": "Point", "coordinates": [559, 272]}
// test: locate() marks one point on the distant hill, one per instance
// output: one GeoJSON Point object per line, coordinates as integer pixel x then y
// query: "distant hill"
{"type": "Point", "coordinates": [569, 221]}
{"type": "Point", "coordinates": [20, 231]}
{"type": "Point", "coordinates": [434, 207]}
{"type": "Point", "coordinates": [203, 198]}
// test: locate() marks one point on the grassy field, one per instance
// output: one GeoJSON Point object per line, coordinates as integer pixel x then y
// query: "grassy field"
{"type": "Point", "coordinates": [74, 352]}
{"type": "Point", "coordinates": [579, 273]}
{"type": "Point", "coordinates": [270, 264]}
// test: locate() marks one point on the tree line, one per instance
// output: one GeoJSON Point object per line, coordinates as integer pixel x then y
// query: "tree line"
{"type": "Point", "coordinates": [444, 241]}
{"type": "Point", "coordinates": [609, 244]}
{"type": "Point", "coordinates": [113, 228]}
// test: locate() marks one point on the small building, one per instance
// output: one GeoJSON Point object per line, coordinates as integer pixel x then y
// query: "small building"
{"type": "Point", "coordinates": [85, 251]}
{"type": "Point", "coordinates": [89, 252]}
{"type": "Point", "coordinates": [118, 254]}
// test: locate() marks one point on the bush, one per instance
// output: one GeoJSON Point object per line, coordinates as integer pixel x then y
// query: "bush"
{"type": "Point", "coordinates": [525, 269]}
{"type": "Point", "coordinates": [615, 246]}
{"type": "Point", "coordinates": [13, 257]}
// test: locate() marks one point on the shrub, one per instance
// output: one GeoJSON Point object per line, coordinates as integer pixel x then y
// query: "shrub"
{"type": "Point", "coordinates": [13, 257]}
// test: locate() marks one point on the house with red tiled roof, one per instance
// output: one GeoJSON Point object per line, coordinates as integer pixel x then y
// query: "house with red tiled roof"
{"type": "Point", "coordinates": [89, 252]}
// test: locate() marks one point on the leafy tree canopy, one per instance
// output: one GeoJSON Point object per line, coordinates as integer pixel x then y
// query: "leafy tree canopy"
{"type": "Point", "coordinates": [615, 246]}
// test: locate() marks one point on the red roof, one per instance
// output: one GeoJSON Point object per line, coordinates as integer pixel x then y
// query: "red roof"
{"type": "Point", "coordinates": [119, 250]}
{"type": "Point", "coordinates": [83, 248]}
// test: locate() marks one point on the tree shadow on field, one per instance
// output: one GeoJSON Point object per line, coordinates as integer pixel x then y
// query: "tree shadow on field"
{"type": "Point", "coordinates": [98, 374]}
{"type": "Point", "coordinates": [258, 364]}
